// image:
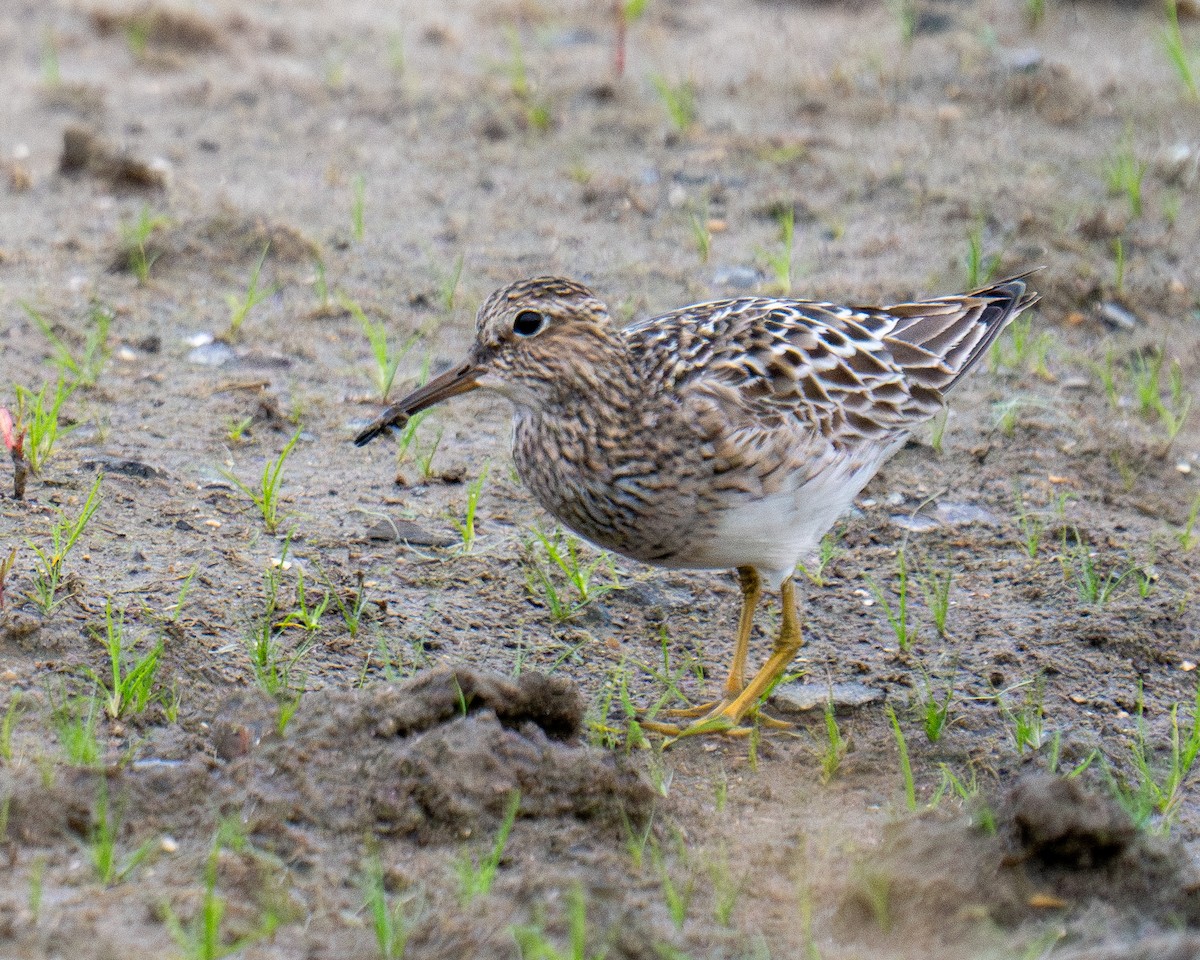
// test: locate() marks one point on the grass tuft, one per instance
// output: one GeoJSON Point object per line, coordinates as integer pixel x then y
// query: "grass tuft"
{"type": "Point", "coordinates": [266, 495]}
{"type": "Point", "coordinates": [50, 570]}
{"type": "Point", "coordinates": [679, 100]}
{"type": "Point", "coordinates": [475, 878]}
{"type": "Point", "coordinates": [128, 687]}
{"type": "Point", "coordinates": [240, 307]}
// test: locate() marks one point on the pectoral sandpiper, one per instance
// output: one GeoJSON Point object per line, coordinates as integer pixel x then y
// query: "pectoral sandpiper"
{"type": "Point", "coordinates": [729, 434]}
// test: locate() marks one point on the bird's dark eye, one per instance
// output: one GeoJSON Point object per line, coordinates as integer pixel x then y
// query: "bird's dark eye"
{"type": "Point", "coordinates": [527, 323]}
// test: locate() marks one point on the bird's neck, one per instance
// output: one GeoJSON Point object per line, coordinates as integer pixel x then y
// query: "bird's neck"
{"type": "Point", "coordinates": [597, 381]}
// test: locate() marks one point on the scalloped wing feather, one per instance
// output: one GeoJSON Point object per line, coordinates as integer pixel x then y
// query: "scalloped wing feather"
{"type": "Point", "coordinates": [801, 374]}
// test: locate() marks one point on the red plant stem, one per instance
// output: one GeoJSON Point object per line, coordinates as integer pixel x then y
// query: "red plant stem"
{"type": "Point", "coordinates": [20, 466]}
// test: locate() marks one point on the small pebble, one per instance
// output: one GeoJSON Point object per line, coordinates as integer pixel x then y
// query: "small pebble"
{"type": "Point", "coordinates": [739, 277]}
{"type": "Point", "coordinates": [1118, 316]}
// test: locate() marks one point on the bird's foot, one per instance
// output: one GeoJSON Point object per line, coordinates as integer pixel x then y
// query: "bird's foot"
{"type": "Point", "coordinates": [725, 717]}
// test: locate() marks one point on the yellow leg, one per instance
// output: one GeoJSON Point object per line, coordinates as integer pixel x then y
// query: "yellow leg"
{"type": "Point", "coordinates": [751, 586]}
{"type": "Point", "coordinates": [726, 716]}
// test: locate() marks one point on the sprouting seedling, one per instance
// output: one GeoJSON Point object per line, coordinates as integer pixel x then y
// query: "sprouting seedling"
{"type": "Point", "coordinates": [534, 944]}
{"type": "Point", "coordinates": [358, 207]}
{"type": "Point", "coordinates": [1118, 266]}
{"type": "Point", "coordinates": [1106, 373]}
{"type": "Point", "coordinates": [127, 687]}
{"type": "Point", "coordinates": [935, 584]}
{"type": "Point", "coordinates": [679, 99]}
{"type": "Point", "coordinates": [935, 713]}
{"type": "Point", "coordinates": [726, 887]}
{"type": "Point", "coordinates": [236, 430]}
{"type": "Point", "coordinates": [74, 724]}
{"type": "Point", "coordinates": [827, 552]}
{"type": "Point", "coordinates": [51, 70]}
{"type": "Point", "coordinates": [1030, 525]}
{"type": "Point", "coordinates": [1080, 567]}
{"type": "Point", "coordinates": [1186, 535]}
{"type": "Point", "coordinates": [6, 566]}
{"type": "Point", "coordinates": [202, 937]}
{"type": "Point", "coordinates": [273, 665]}
{"type": "Point", "coordinates": [392, 922]}
{"type": "Point", "coordinates": [476, 878]}
{"type": "Point", "coordinates": [1161, 791]}
{"type": "Point", "coordinates": [51, 565]}
{"type": "Point", "coordinates": [562, 553]}
{"type": "Point", "coordinates": [7, 726]}
{"type": "Point", "coordinates": [780, 261]}
{"type": "Point", "coordinates": [135, 242]}
{"type": "Point", "coordinates": [980, 269]}
{"type": "Point", "coordinates": [937, 429]}
{"type": "Point", "coordinates": [386, 361]}
{"type": "Point", "coordinates": [352, 612]}
{"type": "Point", "coordinates": [535, 108]}
{"type": "Point", "coordinates": [177, 607]}
{"type": "Point", "coordinates": [306, 616]}
{"type": "Point", "coordinates": [1006, 413]}
{"type": "Point", "coordinates": [910, 790]}
{"type": "Point", "coordinates": [408, 434]}
{"type": "Point", "coordinates": [39, 417]}
{"type": "Point", "coordinates": [905, 13]}
{"type": "Point", "coordinates": [898, 617]}
{"type": "Point", "coordinates": [425, 456]}
{"type": "Point", "coordinates": [1145, 376]}
{"type": "Point", "coordinates": [266, 496]}
{"type": "Point", "coordinates": [320, 284]}
{"type": "Point", "coordinates": [836, 746]}
{"type": "Point", "coordinates": [448, 284]}
{"type": "Point", "coordinates": [466, 526]}
{"type": "Point", "coordinates": [677, 897]}
{"type": "Point", "coordinates": [240, 307]}
{"type": "Point", "coordinates": [85, 368]}
{"type": "Point", "coordinates": [102, 842]}
{"type": "Point", "coordinates": [1019, 348]}
{"type": "Point", "coordinates": [397, 57]}
{"type": "Point", "coordinates": [1182, 59]}
{"type": "Point", "coordinates": [701, 236]}
{"type": "Point", "coordinates": [1123, 173]}
{"type": "Point", "coordinates": [1027, 723]}
{"type": "Point", "coordinates": [137, 36]}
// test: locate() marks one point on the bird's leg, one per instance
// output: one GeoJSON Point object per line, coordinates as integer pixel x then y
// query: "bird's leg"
{"type": "Point", "coordinates": [727, 716]}
{"type": "Point", "coordinates": [751, 586]}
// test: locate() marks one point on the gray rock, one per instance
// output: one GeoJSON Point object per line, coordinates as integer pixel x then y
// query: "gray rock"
{"type": "Point", "coordinates": [800, 697]}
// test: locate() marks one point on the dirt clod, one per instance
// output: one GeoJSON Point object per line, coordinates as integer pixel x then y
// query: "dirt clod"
{"type": "Point", "coordinates": [436, 755]}
{"type": "Point", "coordinates": [85, 151]}
{"type": "Point", "coordinates": [1060, 823]}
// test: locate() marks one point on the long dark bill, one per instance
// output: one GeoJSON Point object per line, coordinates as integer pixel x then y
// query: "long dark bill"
{"type": "Point", "coordinates": [460, 379]}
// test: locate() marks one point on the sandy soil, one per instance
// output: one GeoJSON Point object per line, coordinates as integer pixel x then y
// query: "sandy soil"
{"type": "Point", "coordinates": [376, 153]}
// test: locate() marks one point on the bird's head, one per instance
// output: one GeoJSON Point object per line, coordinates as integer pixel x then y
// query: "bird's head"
{"type": "Point", "coordinates": [534, 340]}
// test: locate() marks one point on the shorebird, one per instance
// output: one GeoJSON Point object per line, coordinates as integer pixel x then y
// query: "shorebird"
{"type": "Point", "coordinates": [729, 434]}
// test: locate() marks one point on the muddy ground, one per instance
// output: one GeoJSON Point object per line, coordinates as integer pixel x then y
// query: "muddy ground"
{"type": "Point", "coordinates": [377, 152]}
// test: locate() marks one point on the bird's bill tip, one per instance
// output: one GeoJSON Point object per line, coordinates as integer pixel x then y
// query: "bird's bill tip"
{"type": "Point", "coordinates": [460, 379]}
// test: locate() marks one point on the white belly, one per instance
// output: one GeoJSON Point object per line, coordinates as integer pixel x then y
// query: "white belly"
{"type": "Point", "coordinates": [775, 533]}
